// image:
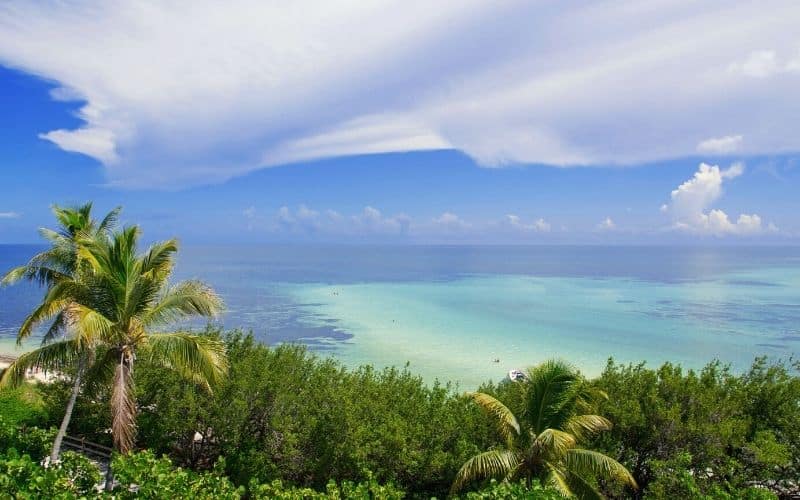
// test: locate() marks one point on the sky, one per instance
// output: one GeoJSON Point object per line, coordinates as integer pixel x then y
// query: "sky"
{"type": "Point", "coordinates": [591, 122]}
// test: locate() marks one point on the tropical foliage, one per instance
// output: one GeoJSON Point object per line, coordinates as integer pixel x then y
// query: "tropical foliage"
{"type": "Point", "coordinates": [727, 431]}
{"type": "Point", "coordinates": [285, 415]}
{"type": "Point", "coordinates": [61, 263]}
{"type": "Point", "coordinates": [111, 298]}
{"type": "Point", "coordinates": [22, 477]}
{"type": "Point", "coordinates": [542, 433]}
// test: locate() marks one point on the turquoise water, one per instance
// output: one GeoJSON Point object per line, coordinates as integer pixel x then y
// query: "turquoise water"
{"type": "Point", "coordinates": [456, 330]}
{"type": "Point", "coordinates": [451, 311]}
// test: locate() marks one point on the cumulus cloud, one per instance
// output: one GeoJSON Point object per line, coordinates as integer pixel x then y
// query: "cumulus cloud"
{"type": "Point", "coordinates": [182, 93]}
{"type": "Point", "coordinates": [9, 215]}
{"type": "Point", "coordinates": [720, 145]}
{"type": "Point", "coordinates": [690, 205]}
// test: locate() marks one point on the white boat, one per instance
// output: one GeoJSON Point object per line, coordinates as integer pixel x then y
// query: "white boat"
{"type": "Point", "coordinates": [516, 375]}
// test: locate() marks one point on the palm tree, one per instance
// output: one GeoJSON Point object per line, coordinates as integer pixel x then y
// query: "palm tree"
{"type": "Point", "coordinates": [117, 306]}
{"type": "Point", "coordinates": [61, 263]}
{"type": "Point", "coordinates": [551, 417]}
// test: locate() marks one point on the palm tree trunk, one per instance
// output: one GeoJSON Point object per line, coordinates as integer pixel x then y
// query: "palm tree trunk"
{"type": "Point", "coordinates": [62, 431]}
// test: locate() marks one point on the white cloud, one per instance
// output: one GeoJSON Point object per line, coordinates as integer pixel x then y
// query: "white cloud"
{"type": "Point", "coordinates": [606, 225]}
{"type": "Point", "coordinates": [720, 145]}
{"type": "Point", "coordinates": [249, 212]}
{"type": "Point", "coordinates": [95, 142]}
{"type": "Point", "coordinates": [758, 64]}
{"type": "Point", "coordinates": [182, 93]}
{"type": "Point", "coordinates": [450, 222]}
{"type": "Point", "coordinates": [9, 215]}
{"type": "Point", "coordinates": [690, 205]}
{"type": "Point", "coordinates": [370, 221]}
{"type": "Point", "coordinates": [764, 64]}
{"type": "Point", "coordinates": [539, 225]}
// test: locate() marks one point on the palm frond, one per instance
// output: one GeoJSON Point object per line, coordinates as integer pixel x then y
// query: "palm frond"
{"type": "Point", "coordinates": [547, 387]}
{"type": "Point", "coordinates": [489, 464]}
{"type": "Point", "coordinates": [586, 397]}
{"type": "Point", "coordinates": [43, 312]}
{"type": "Point", "coordinates": [582, 488]}
{"type": "Point", "coordinates": [123, 406]}
{"type": "Point", "coordinates": [159, 260]}
{"type": "Point", "coordinates": [554, 443]}
{"type": "Point", "coordinates": [41, 273]}
{"type": "Point", "coordinates": [109, 221]}
{"type": "Point", "coordinates": [557, 480]}
{"type": "Point", "coordinates": [585, 426]}
{"type": "Point", "coordinates": [57, 328]}
{"type": "Point", "coordinates": [88, 325]}
{"type": "Point", "coordinates": [100, 373]}
{"type": "Point", "coordinates": [53, 237]}
{"type": "Point", "coordinates": [196, 357]}
{"type": "Point", "coordinates": [187, 298]}
{"type": "Point", "coordinates": [506, 422]}
{"type": "Point", "coordinates": [14, 276]}
{"type": "Point", "coordinates": [588, 462]}
{"type": "Point", "coordinates": [54, 356]}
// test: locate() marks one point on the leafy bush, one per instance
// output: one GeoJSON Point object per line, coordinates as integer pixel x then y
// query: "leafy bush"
{"type": "Point", "coordinates": [675, 479]}
{"type": "Point", "coordinates": [23, 406]}
{"type": "Point", "coordinates": [726, 430]}
{"type": "Point", "coordinates": [285, 414]}
{"type": "Point", "coordinates": [32, 441]}
{"type": "Point", "coordinates": [347, 489]}
{"type": "Point", "coordinates": [22, 477]}
{"type": "Point", "coordinates": [503, 490]}
{"type": "Point", "coordinates": [146, 476]}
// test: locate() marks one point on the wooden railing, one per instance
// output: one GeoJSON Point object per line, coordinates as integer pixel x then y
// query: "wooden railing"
{"type": "Point", "coordinates": [87, 448]}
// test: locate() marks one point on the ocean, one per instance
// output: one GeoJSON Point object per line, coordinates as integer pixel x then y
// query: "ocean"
{"type": "Point", "coordinates": [469, 314]}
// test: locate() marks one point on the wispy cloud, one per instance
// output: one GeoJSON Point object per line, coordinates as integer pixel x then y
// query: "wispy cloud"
{"type": "Point", "coordinates": [10, 215]}
{"type": "Point", "coordinates": [183, 93]}
{"type": "Point", "coordinates": [721, 145]}
{"type": "Point", "coordinates": [765, 63]}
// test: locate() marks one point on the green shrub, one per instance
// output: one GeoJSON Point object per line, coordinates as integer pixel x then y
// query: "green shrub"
{"type": "Point", "coordinates": [346, 489]}
{"type": "Point", "coordinates": [283, 413]}
{"type": "Point", "coordinates": [143, 475]}
{"type": "Point", "coordinates": [22, 477]}
{"type": "Point", "coordinates": [731, 429]}
{"type": "Point", "coordinates": [501, 490]}
{"type": "Point", "coordinates": [32, 441]}
{"type": "Point", "coordinates": [23, 406]}
{"type": "Point", "coordinates": [674, 478]}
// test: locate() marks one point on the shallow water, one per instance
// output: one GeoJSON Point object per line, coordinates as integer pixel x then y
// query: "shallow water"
{"type": "Point", "coordinates": [451, 311]}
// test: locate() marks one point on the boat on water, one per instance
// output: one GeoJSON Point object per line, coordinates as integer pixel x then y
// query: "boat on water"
{"type": "Point", "coordinates": [516, 375]}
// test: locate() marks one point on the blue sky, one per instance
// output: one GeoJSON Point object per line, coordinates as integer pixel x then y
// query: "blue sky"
{"type": "Point", "coordinates": [475, 124]}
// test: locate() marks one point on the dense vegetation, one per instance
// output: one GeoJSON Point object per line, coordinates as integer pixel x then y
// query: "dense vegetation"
{"type": "Point", "coordinates": [285, 420]}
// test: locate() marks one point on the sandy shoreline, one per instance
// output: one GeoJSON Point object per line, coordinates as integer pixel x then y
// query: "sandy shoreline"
{"type": "Point", "coordinates": [7, 359]}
